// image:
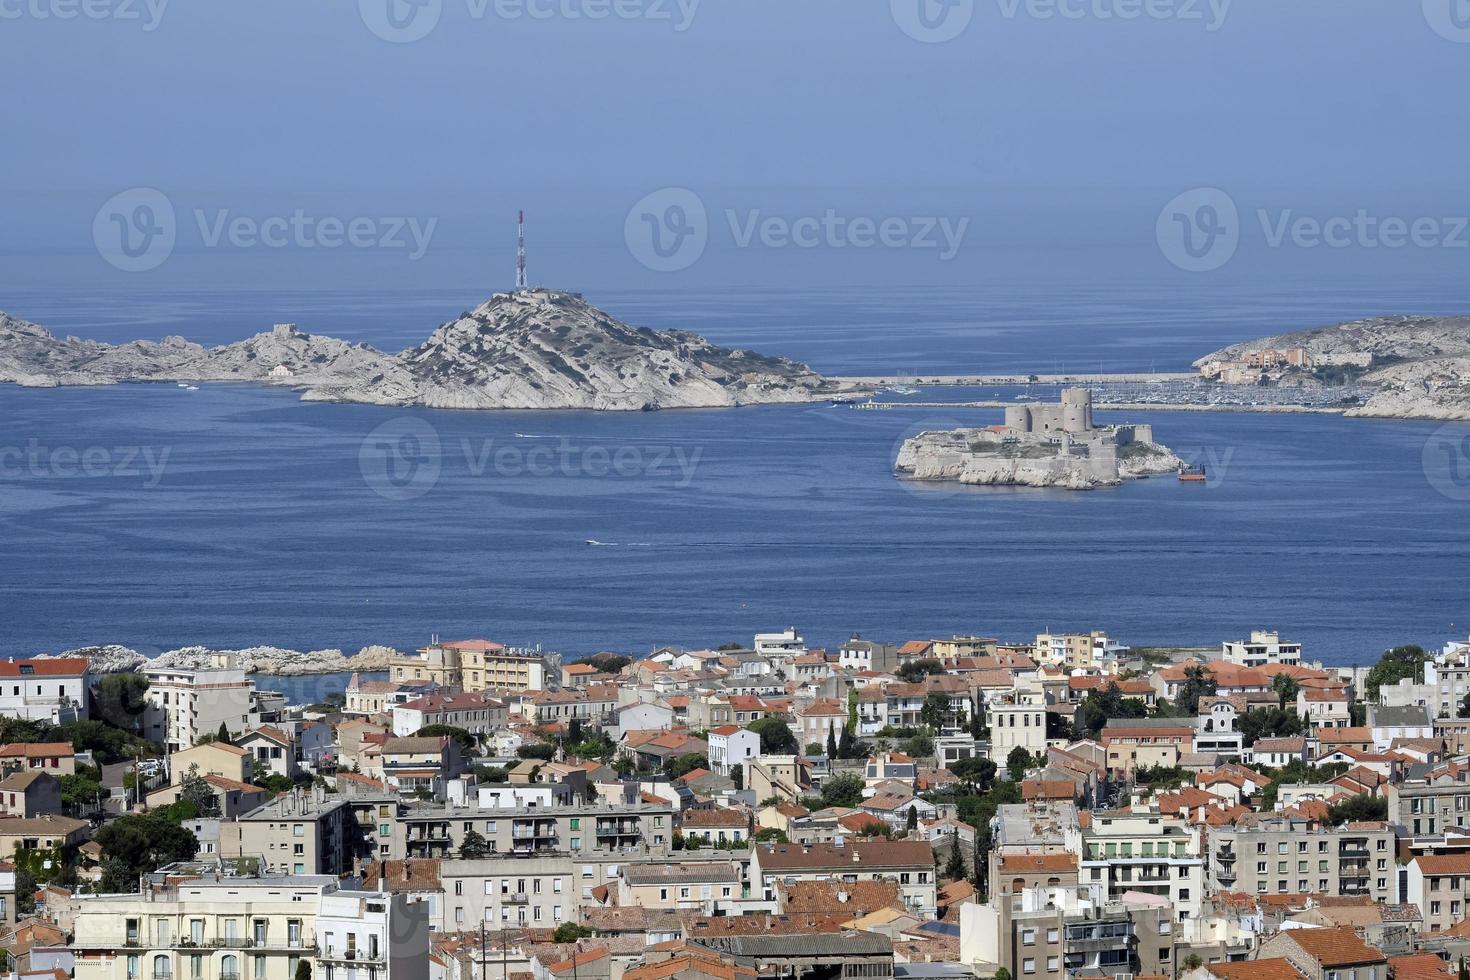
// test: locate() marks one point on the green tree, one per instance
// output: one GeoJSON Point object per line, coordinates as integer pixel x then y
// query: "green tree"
{"type": "Point", "coordinates": [303, 970]}
{"type": "Point", "coordinates": [813, 749]}
{"type": "Point", "coordinates": [537, 750]}
{"type": "Point", "coordinates": [462, 738]}
{"type": "Point", "coordinates": [1269, 723]}
{"type": "Point", "coordinates": [570, 932]}
{"type": "Point", "coordinates": [1107, 703]}
{"type": "Point", "coordinates": [473, 846]}
{"type": "Point", "coordinates": [914, 671]}
{"type": "Point", "coordinates": [954, 868]}
{"type": "Point", "coordinates": [919, 747]}
{"type": "Point", "coordinates": [223, 735]}
{"type": "Point", "coordinates": [935, 710]}
{"type": "Point", "coordinates": [687, 763]}
{"type": "Point", "coordinates": [608, 663]}
{"type": "Point", "coordinates": [1192, 962]}
{"type": "Point", "coordinates": [911, 822]}
{"type": "Point", "coordinates": [1395, 665]}
{"type": "Point", "coordinates": [574, 731]}
{"type": "Point", "coordinates": [139, 844]}
{"type": "Point", "coordinates": [844, 789]}
{"type": "Point", "coordinates": [775, 735]}
{"type": "Point", "coordinates": [1198, 682]}
{"type": "Point", "coordinates": [1286, 688]}
{"type": "Point", "coordinates": [1018, 762]}
{"type": "Point", "coordinates": [770, 834]}
{"type": "Point", "coordinates": [120, 700]}
{"type": "Point", "coordinates": [831, 740]}
{"type": "Point", "coordinates": [1355, 808]}
{"type": "Point", "coordinates": [81, 790]}
{"type": "Point", "coordinates": [199, 793]}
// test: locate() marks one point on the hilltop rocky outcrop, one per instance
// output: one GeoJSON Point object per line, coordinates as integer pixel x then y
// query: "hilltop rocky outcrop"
{"type": "Point", "coordinates": [1411, 366]}
{"type": "Point", "coordinates": [530, 349]}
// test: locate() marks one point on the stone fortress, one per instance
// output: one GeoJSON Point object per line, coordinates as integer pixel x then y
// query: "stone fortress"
{"type": "Point", "coordinates": [1042, 445]}
{"type": "Point", "coordinates": [1068, 426]}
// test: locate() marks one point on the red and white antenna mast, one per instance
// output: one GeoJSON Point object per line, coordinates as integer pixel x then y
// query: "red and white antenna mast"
{"type": "Point", "coordinates": [521, 250]}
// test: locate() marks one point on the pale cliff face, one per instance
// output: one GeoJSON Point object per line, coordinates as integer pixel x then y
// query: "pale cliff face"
{"type": "Point", "coordinates": [534, 349]}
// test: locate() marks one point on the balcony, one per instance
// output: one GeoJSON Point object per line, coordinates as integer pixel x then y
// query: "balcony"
{"type": "Point", "coordinates": [1353, 851]}
{"type": "Point", "coordinates": [351, 956]}
{"type": "Point", "coordinates": [514, 898]}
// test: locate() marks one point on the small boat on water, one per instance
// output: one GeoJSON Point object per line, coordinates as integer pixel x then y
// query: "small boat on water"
{"type": "Point", "coordinates": [904, 390]}
{"type": "Point", "coordinates": [1192, 474]}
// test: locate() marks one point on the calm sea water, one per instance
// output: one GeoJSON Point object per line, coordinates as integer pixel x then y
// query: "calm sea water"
{"type": "Point", "coordinates": [235, 515]}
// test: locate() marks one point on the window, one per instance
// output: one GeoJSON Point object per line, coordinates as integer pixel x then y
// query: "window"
{"type": "Point", "coordinates": [1028, 966]}
{"type": "Point", "coordinates": [1028, 937]}
{"type": "Point", "coordinates": [1051, 936]}
{"type": "Point", "coordinates": [132, 965]}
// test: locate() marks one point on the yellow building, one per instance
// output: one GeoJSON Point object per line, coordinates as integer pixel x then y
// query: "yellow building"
{"type": "Point", "coordinates": [472, 665]}
{"type": "Point", "coordinates": [192, 924]}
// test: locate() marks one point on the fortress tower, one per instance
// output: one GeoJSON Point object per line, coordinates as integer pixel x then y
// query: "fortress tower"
{"type": "Point", "coordinates": [1076, 410]}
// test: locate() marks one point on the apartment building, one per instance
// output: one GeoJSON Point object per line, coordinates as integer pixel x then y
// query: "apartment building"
{"type": "Point", "coordinates": [1448, 676]}
{"type": "Point", "coordinates": [45, 690]}
{"type": "Point", "coordinates": [506, 891]}
{"type": "Point", "coordinates": [910, 863]}
{"type": "Point", "coordinates": [472, 665]}
{"type": "Point", "coordinates": [303, 832]}
{"type": "Point", "coordinates": [1286, 856]}
{"type": "Point", "coordinates": [1134, 743]}
{"type": "Point", "coordinates": [57, 758]}
{"type": "Point", "coordinates": [478, 714]}
{"type": "Point", "coordinates": [1439, 885]}
{"type": "Point", "coordinates": [1059, 932]}
{"type": "Point", "coordinates": [1142, 851]}
{"type": "Point", "coordinates": [731, 747]}
{"type": "Point", "coordinates": [1431, 801]}
{"type": "Point", "coordinates": [706, 888]}
{"type": "Point", "coordinates": [1075, 651]}
{"type": "Point", "coordinates": [1017, 721]}
{"type": "Point", "coordinates": [185, 705]}
{"type": "Point", "coordinates": [1327, 954]}
{"type": "Point", "coordinates": [213, 928]}
{"type": "Point", "coordinates": [1265, 648]}
{"type": "Point", "coordinates": [581, 829]}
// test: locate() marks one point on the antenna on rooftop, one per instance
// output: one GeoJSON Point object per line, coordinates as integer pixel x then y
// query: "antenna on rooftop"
{"type": "Point", "coordinates": [520, 250]}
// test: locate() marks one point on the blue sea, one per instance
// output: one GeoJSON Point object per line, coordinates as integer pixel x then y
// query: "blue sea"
{"type": "Point", "coordinates": [156, 517]}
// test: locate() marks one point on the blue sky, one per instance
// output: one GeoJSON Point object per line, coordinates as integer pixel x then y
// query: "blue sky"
{"type": "Point", "coordinates": [1046, 145]}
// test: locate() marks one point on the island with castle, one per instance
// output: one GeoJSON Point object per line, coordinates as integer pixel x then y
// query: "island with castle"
{"type": "Point", "coordinates": [1039, 446]}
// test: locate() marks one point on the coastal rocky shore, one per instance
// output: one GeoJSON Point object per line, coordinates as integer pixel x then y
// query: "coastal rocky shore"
{"type": "Point", "coordinates": [529, 349]}
{"type": "Point", "coordinates": [275, 661]}
{"type": "Point", "coordinates": [1411, 367]}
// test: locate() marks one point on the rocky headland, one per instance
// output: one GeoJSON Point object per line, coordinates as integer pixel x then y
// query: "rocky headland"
{"type": "Point", "coordinates": [529, 349]}
{"type": "Point", "coordinates": [1409, 367]}
{"type": "Point", "coordinates": [275, 661]}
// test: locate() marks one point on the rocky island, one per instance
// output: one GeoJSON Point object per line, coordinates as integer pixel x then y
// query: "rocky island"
{"type": "Point", "coordinates": [1405, 366]}
{"type": "Point", "coordinates": [530, 349]}
{"type": "Point", "coordinates": [113, 658]}
{"type": "Point", "coordinates": [1038, 446]}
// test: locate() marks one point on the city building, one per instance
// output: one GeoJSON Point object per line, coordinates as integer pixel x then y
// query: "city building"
{"type": "Point", "coordinates": [1265, 648]}
{"type": "Point", "coordinates": [192, 923]}
{"type": "Point", "coordinates": [185, 705]}
{"type": "Point", "coordinates": [1288, 856]}
{"type": "Point", "coordinates": [472, 665]}
{"type": "Point", "coordinates": [45, 690]}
